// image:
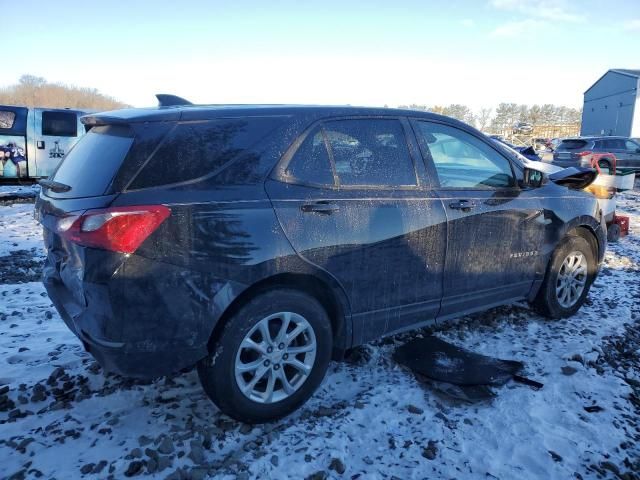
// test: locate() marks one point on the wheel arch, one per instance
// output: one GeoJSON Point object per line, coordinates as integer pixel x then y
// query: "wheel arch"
{"type": "Point", "coordinates": [589, 234]}
{"type": "Point", "coordinates": [585, 227]}
{"type": "Point", "coordinates": [333, 302]}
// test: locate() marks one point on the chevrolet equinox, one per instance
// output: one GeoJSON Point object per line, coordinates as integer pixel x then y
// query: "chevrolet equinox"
{"type": "Point", "coordinates": [260, 242]}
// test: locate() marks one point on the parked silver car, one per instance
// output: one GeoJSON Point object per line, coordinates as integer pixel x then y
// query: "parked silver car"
{"type": "Point", "coordinates": [577, 151]}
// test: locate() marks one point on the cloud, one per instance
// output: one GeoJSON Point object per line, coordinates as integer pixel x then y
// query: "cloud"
{"type": "Point", "coordinates": [632, 25]}
{"type": "Point", "coordinates": [549, 10]}
{"type": "Point", "coordinates": [513, 29]}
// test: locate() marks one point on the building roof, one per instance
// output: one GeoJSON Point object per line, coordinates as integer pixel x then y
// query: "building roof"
{"type": "Point", "coordinates": [621, 71]}
{"type": "Point", "coordinates": [624, 71]}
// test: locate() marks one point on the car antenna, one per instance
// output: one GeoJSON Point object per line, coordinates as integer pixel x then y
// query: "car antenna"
{"type": "Point", "coordinates": [167, 100]}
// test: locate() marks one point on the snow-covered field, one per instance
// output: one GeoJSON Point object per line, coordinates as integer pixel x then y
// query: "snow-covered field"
{"type": "Point", "coordinates": [62, 417]}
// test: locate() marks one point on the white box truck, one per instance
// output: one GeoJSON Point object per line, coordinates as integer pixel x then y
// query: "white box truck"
{"type": "Point", "coordinates": [34, 140]}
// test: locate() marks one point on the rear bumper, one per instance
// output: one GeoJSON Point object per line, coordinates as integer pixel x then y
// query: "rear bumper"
{"type": "Point", "coordinates": [153, 356]}
{"type": "Point", "coordinates": [148, 319]}
{"type": "Point", "coordinates": [132, 362]}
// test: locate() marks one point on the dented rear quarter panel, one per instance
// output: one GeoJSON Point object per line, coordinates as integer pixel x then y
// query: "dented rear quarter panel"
{"type": "Point", "coordinates": [212, 252]}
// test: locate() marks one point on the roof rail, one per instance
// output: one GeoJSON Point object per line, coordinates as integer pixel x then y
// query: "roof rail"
{"type": "Point", "coordinates": [166, 100]}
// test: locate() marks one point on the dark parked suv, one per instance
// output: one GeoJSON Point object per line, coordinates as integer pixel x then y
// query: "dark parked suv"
{"type": "Point", "coordinates": [258, 242]}
{"type": "Point", "coordinates": [578, 152]}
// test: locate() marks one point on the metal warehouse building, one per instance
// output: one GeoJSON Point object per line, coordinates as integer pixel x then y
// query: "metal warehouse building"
{"type": "Point", "coordinates": [610, 105]}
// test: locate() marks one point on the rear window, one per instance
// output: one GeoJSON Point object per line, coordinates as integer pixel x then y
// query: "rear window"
{"type": "Point", "coordinates": [572, 145]}
{"type": "Point", "coordinates": [59, 124]}
{"type": "Point", "coordinates": [195, 149]}
{"type": "Point", "coordinates": [91, 164]}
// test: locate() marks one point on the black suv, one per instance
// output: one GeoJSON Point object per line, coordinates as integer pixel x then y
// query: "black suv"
{"type": "Point", "coordinates": [258, 242]}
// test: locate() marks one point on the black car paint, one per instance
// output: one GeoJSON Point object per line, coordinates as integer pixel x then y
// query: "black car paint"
{"type": "Point", "coordinates": [384, 261]}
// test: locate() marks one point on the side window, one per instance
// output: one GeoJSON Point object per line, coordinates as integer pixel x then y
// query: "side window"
{"type": "Point", "coordinates": [631, 147]}
{"type": "Point", "coordinates": [59, 124]}
{"type": "Point", "coordinates": [614, 144]}
{"type": "Point", "coordinates": [462, 160]}
{"type": "Point", "coordinates": [195, 149]}
{"type": "Point", "coordinates": [370, 152]}
{"type": "Point", "coordinates": [310, 163]}
{"type": "Point", "coordinates": [6, 119]}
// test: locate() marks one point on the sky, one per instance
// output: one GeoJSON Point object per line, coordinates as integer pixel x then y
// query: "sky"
{"type": "Point", "coordinates": [391, 52]}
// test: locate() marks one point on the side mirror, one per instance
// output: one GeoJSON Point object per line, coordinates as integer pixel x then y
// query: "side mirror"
{"type": "Point", "coordinates": [532, 178]}
{"type": "Point", "coordinates": [637, 150]}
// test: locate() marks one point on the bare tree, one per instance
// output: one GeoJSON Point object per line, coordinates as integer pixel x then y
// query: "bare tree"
{"type": "Point", "coordinates": [483, 119]}
{"type": "Point", "coordinates": [507, 115]}
{"type": "Point", "coordinates": [32, 91]}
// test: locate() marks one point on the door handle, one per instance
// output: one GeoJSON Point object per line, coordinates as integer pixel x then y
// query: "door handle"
{"type": "Point", "coordinates": [464, 205]}
{"type": "Point", "coordinates": [324, 207]}
{"type": "Point", "coordinates": [40, 144]}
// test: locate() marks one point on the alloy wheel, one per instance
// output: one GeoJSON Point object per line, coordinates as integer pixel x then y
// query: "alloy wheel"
{"type": "Point", "coordinates": [275, 357]}
{"type": "Point", "coordinates": [572, 279]}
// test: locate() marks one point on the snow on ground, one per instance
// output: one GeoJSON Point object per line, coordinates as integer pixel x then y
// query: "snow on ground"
{"type": "Point", "coordinates": [18, 230]}
{"type": "Point", "coordinates": [62, 417]}
{"type": "Point", "coordinates": [27, 189]}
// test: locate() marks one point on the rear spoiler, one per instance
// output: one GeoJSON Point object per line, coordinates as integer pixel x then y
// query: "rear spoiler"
{"type": "Point", "coordinates": [128, 116]}
{"type": "Point", "coordinates": [575, 178]}
{"type": "Point", "coordinates": [131, 115]}
{"type": "Point", "coordinates": [166, 100]}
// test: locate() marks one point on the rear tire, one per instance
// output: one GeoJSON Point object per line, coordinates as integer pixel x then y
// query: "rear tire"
{"type": "Point", "coordinates": [260, 340]}
{"type": "Point", "coordinates": [568, 278]}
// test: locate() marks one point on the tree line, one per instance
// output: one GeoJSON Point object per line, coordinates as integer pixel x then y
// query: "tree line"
{"type": "Point", "coordinates": [506, 115]}
{"type": "Point", "coordinates": [32, 91]}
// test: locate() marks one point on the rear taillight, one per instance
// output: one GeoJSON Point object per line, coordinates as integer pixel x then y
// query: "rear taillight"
{"type": "Point", "coordinates": [585, 153]}
{"type": "Point", "coordinates": [118, 229]}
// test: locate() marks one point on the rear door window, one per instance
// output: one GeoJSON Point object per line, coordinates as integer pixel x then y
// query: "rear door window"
{"type": "Point", "coordinates": [195, 149]}
{"type": "Point", "coordinates": [370, 152]}
{"type": "Point", "coordinates": [92, 163]}
{"type": "Point", "coordinates": [59, 124]}
{"type": "Point", "coordinates": [613, 144]}
{"type": "Point", "coordinates": [310, 164]}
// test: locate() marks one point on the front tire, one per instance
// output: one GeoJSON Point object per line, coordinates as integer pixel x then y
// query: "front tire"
{"type": "Point", "coordinates": [613, 233]}
{"type": "Point", "coordinates": [568, 278]}
{"type": "Point", "coordinates": [271, 356]}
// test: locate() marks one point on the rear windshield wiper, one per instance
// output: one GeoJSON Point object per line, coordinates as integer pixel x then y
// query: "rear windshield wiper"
{"type": "Point", "coordinates": [54, 186]}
